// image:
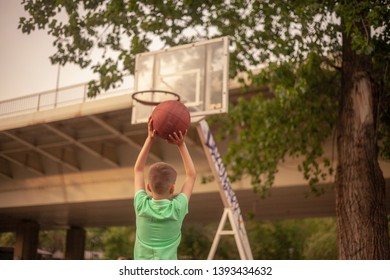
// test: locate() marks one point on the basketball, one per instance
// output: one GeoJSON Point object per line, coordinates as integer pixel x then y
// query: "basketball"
{"type": "Point", "coordinates": [169, 117]}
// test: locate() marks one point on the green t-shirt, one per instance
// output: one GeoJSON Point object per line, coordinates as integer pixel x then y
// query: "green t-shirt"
{"type": "Point", "coordinates": [158, 226]}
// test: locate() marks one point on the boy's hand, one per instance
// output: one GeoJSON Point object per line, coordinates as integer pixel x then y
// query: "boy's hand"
{"type": "Point", "coordinates": [151, 130]}
{"type": "Point", "coordinates": [177, 138]}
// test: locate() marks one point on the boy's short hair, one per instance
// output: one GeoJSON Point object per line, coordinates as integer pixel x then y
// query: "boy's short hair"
{"type": "Point", "coordinates": [161, 176]}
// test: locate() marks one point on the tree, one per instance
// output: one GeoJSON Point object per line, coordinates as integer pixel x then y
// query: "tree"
{"type": "Point", "coordinates": [118, 242]}
{"type": "Point", "coordinates": [52, 240]}
{"type": "Point", "coordinates": [7, 239]}
{"type": "Point", "coordinates": [297, 239]}
{"type": "Point", "coordinates": [194, 243]}
{"type": "Point", "coordinates": [329, 62]}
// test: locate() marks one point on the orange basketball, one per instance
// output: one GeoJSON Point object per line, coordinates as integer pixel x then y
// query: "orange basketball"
{"type": "Point", "coordinates": [169, 117]}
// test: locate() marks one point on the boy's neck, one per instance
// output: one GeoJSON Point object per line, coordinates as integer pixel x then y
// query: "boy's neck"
{"type": "Point", "coordinates": [161, 196]}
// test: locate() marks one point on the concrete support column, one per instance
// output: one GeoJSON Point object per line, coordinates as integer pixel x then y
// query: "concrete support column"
{"type": "Point", "coordinates": [27, 236]}
{"type": "Point", "coordinates": [75, 243]}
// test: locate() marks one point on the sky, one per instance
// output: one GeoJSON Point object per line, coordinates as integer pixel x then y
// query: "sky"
{"type": "Point", "coordinates": [25, 67]}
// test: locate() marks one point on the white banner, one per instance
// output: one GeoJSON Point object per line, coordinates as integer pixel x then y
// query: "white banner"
{"type": "Point", "coordinates": [224, 182]}
{"type": "Point", "coordinates": [228, 195]}
{"type": "Point", "coordinates": [260, 269]}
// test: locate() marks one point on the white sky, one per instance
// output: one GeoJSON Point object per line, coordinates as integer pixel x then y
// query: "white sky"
{"type": "Point", "coordinates": [25, 67]}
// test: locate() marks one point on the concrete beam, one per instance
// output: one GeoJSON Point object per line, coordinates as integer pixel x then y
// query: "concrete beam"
{"type": "Point", "coordinates": [82, 146]}
{"type": "Point", "coordinates": [40, 151]}
{"type": "Point", "coordinates": [11, 159]}
{"type": "Point", "coordinates": [121, 136]}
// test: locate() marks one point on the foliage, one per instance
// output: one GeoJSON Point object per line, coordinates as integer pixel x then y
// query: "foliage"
{"type": "Point", "coordinates": [52, 240]}
{"type": "Point", "coordinates": [7, 239]}
{"type": "Point", "coordinates": [295, 122]}
{"type": "Point", "coordinates": [279, 240]}
{"type": "Point", "coordinates": [270, 242]}
{"type": "Point", "coordinates": [119, 29]}
{"type": "Point", "coordinates": [293, 239]}
{"type": "Point", "coordinates": [296, 239]}
{"type": "Point", "coordinates": [322, 246]}
{"type": "Point", "coordinates": [193, 243]}
{"type": "Point", "coordinates": [118, 242]}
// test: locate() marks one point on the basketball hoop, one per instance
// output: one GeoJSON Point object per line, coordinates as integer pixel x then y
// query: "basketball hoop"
{"type": "Point", "coordinates": [136, 96]}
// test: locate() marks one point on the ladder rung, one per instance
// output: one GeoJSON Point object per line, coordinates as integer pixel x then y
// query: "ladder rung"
{"type": "Point", "coordinates": [226, 232]}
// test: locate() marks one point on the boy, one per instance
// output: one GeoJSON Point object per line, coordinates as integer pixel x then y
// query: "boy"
{"type": "Point", "coordinates": [159, 218]}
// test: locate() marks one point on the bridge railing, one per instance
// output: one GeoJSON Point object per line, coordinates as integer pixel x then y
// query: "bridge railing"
{"type": "Point", "coordinates": [52, 99]}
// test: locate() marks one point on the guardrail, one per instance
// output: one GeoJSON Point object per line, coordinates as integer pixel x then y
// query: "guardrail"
{"type": "Point", "coordinates": [52, 99]}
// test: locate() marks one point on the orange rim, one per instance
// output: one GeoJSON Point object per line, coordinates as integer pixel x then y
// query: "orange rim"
{"type": "Point", "coordinates": [152, 103]}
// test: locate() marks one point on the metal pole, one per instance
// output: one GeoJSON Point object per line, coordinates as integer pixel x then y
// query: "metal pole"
{"type": "Point", "coordinates": [57, 85]}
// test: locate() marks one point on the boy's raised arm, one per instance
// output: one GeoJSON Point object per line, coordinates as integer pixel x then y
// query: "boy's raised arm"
{"type": "Point", "coordinates": [189, 167]}
{"type": "Point", "coordinates": [139, 166]}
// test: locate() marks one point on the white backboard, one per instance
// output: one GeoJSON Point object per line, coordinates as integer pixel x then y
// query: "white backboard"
{"type": "Point", "coordinates": [197, 72]}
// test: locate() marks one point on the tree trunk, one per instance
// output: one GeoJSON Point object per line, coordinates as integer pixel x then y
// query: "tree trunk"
{"type": "Point", "coordinates": [360, 185]}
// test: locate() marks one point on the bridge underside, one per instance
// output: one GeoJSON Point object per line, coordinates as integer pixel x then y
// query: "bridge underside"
{"type": "Point", "coordinates": [53, 170]}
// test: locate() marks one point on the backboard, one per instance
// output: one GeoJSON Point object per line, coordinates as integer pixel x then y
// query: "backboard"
{"type": "Point", "coordinates": [197, 72]}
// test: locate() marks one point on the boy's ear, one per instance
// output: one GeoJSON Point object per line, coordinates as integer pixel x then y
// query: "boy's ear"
{"type": "Point", "coordinates": [148, 187]}
{"type": "Point", "coordinates": [171, 189]}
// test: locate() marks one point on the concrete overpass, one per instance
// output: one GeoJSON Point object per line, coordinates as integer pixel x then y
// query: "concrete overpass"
{"type": "Point", "coordinates": [67, 163]}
